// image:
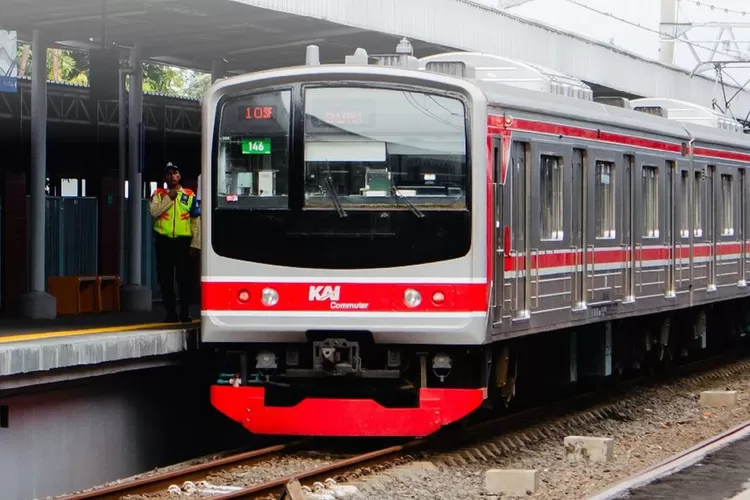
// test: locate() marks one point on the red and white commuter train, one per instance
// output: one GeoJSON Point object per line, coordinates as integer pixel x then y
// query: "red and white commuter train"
{"type": "Point", "coordinates": [389, 247]}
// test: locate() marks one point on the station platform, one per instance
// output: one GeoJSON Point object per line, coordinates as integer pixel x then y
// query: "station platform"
{"type": "Point", "coordinates": [718, 469]}
{"type": "Point", "coordinates": [63, 349]}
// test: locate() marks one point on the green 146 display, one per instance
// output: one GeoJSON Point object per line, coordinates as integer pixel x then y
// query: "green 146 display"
{"type": "Point", "coordinates": [254, 146]}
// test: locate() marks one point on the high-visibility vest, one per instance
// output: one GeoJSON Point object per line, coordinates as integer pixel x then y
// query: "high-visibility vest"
{"type": "Point", "coordinates": [175, 222]}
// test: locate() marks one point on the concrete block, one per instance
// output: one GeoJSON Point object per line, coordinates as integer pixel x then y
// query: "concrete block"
{"type": "Point", "coordinates": [38, 305]}
{"type": "Point", "coordinates": [715, 399]}
{"type": "Point", "coordinates": [511, 481]}
{"type": "Point", "coordinates": [136, 298]}
{"type": "Point", "coordinates": [588, 449]}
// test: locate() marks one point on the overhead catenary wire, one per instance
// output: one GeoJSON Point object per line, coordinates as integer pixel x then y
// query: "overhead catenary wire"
{"type": "Point", "coordinates": [719, 78]}
{"type": "Point", "coordinates": [646, 28]}
{"type": "Point", "coordinates": [714, 7]}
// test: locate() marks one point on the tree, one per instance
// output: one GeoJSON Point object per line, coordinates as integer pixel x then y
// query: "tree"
{"type": "Point", "coordinates": [62, 65]}
{"type": "Point", "coordinates": [71, 66]}
{"type": "Point", "coordinates": [196, 84]}
{"type": "Point", "coordinates": [162, 79]}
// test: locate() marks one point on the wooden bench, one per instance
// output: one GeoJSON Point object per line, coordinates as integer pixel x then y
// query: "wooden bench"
{"type": "Point", "coordinates": [109, 293]}
{"type": "Point", "coordinates": [75, 294]}
{"type": "Point", "coordinates": [78, 295]}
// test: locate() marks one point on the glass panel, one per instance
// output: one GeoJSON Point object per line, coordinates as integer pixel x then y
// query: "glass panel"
{"type": "Point", "coordinates": [650, 202]}
{"type": "Point", "coordinates": [551, 195]}
{"type": "Point", "coordinates": [727, 206]}
{"type": "Point", "coordinates": [371, 148]}
{"type": "Point", "coordinates": [684, 204]}
{"type": "Point", "coordinates": [604, 199]}
{"type": "Point", "coordinates": [253, 160]}
{"type": "Point", "coordinates": [698, 204]}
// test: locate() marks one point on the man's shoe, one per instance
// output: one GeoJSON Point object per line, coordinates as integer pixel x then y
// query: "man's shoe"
{"type": "Point", "coordinates": [185, 318]}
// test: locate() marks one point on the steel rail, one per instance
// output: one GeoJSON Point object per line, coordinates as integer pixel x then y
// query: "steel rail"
{"type": "Point", "coordinates": [457, 435]}
{"type": "Point", "coordinates": [161, 481]}
{"type": "Point", "coordinates": [453, 436]}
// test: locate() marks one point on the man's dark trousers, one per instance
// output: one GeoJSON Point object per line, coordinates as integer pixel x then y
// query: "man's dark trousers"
{"type": "Point", "coordinates": [174, 254]}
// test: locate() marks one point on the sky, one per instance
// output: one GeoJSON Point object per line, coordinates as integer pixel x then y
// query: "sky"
{"type": "Point", "coordinates": [573, 16]}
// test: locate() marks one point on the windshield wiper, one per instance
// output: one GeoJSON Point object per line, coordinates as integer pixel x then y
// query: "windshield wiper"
{"type": "Point", "coordinates": [335, 198]}
{"type": "Point", "coordinates": [396, 194]}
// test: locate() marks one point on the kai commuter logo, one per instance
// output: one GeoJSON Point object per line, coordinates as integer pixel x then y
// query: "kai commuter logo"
{"type": "Point", "coordinates": [332, 294]}
{"type": "Point", "coordinates": [322, 293]}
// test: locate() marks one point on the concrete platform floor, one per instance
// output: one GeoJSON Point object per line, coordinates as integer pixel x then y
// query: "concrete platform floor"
{"type": "Point", "coordinates": [52, 351]}
{"type": "Point", "coordinates": [12, 327]}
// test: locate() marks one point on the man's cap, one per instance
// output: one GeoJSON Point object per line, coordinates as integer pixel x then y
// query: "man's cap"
{"type": "Point", "coordinates": [171, 166]}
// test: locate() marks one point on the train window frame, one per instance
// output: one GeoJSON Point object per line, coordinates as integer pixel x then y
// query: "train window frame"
{"type": "Point", "coordinates": [219, 112]}
{"type": "Point", "coordinates": [520, 155]}
{"type": "Point", "coordinates": [309, 92]}
{"type": "Point", "coordinates": [605, 223]}
{"type": "Point", "coordinates": [698, 178]}
{"type": "Point", "coordinates": [685, 214]}
{"type": "Point", "coordinates": [551, 197]}
{"type": "Point", "coordinates": [650, 222]}
{"type": "Point", "coordinates": [726, 215]}
{"type": "Point", "coordinates": [299, 127]}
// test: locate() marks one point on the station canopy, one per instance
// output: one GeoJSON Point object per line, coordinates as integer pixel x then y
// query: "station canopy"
{"type": "Point", "coordinates": [193, 33]}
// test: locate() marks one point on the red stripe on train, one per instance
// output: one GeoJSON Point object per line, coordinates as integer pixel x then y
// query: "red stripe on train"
{"type": "Point", "coordinates": [616, 256]}
{"type": "Point", "coordinates": [349, 297]}
{"type": "Point", "coordinates": [497, 125]}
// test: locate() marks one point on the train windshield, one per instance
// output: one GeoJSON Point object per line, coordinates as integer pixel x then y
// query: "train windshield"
{"type": "Point", "coordinates": [369, 148]}
{"type": "Point", "coordinates": [253, 155]}
{"type": "Point", "coordinates": [341, 177]}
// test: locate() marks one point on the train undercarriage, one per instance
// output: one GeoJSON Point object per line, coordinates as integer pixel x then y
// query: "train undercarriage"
{"type": "Point", "coordinates": [344, 384]}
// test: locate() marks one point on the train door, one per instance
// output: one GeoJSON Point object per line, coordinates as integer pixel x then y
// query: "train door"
{"type": "Point", "coordinates": [711, 226]}
{"type": "Point", "coordinates": [726, 227]}
{"type": "Point", "coordinates": [652, 176]}
{"type": "Point", "coordinates": [743, 228]}
{"type": "Point", "coordinates": [669, 231]}
{"type": "Point", "coordinates": [578, 234]}
{"type": "Point", "coordinates": [700, 252]}
{"type": "Point", "coordinates": [520, 205]}
{"type": "Point", "coordinates": [602, 250]}
{"type": "Point", "coordinates": [628, 226]}
{"type": "Point", "coordinates": [499, 240]}
{"type": "Point", "coordinates": [682, 236]}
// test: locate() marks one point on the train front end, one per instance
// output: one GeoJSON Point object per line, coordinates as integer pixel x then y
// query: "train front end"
{"type": "Point", "coordinates": [344, 262]}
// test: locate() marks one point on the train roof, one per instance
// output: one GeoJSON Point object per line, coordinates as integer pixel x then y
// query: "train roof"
{"type": "Point", "coordinates": [596, 113]}
{"type": "Point", "coordinates": [686, 112]}
{"type": "Point", "coordinates": [499, 69]}
{"type": "Point", "coordinates": [502, 94]}
{"type": "Point", "coordinates": [515, 84]}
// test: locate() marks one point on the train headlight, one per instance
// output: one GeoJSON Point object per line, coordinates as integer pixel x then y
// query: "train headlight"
{"type": "Point", "coordinates": [412, 298]}
{"type": "Point", "coordinates": [438, 298]}
{"type": "Point", "coordinates": [243, 296]}
{"type": "Point", "coordinates": [269, 297]}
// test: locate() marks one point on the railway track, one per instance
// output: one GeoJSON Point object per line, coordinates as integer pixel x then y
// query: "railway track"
{"type": "Point", "coordinates": [162, 481]}
{"type": "Point", "coordinates": [484, 440]}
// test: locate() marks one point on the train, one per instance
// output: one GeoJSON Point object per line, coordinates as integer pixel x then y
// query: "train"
{"type": "Point", "coordinates": [393, 246]}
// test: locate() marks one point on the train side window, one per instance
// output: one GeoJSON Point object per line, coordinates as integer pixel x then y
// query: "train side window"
{"type": "Point", "coordinates": [604, 199]}
{"type": "Point", "coordinates": [684, 204]}
{"type": "Point", "coordinates": [650, 202]}
{"type": "Point", "coordinates": [727, 206]}
{"type": "Point", "coordinates": [698, 204]}
{"type": "Point", "coordinates": [551, 195]}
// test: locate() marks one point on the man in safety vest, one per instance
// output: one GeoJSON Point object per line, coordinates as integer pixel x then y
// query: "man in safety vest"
{"type": "Point", "coordinates": [176, 212]}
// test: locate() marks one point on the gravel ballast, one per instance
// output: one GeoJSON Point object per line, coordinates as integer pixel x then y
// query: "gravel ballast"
{"type": "Point", "coordinates": [648, 426]}
{"type": "Point", "coordinates": [651, 427]}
